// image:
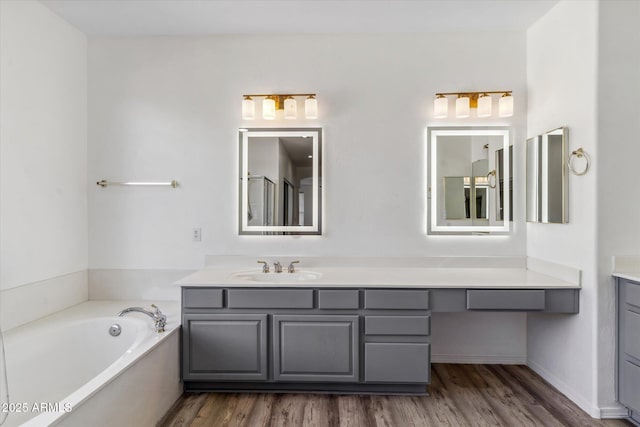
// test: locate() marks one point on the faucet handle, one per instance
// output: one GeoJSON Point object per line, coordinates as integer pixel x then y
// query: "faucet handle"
{"type": "Point", "coordinates": [160, 318]}
{"type": "Point", "coordinates": [159, 314]}
{"type": "Point", "coordinates": [292, 268]}
{"type": "Point", "coordinates": [265, 266]}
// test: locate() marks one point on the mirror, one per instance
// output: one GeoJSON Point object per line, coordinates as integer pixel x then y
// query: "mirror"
{"type": "Point", "coordinates": [280, 181]}
{"type": "Point", "coordinates": [470, 180]}
{"type": "Point", "coordinates": [547, 177]}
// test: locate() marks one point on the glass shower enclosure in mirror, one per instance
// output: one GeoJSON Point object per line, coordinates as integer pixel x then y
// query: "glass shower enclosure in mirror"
{"type": "Point", "coordinates": [469, 180]}
{"type": "Point", "coordinates": [280, 181]}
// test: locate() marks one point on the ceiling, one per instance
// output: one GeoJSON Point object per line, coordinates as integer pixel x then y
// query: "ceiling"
{"type": "Point", "coordinates": [203, 17]}
{"type": "Point", "coordinates": [298, 149]}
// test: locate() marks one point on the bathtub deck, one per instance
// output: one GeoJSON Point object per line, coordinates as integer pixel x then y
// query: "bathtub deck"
{"type": "Point", "coordinates": [460, 395]}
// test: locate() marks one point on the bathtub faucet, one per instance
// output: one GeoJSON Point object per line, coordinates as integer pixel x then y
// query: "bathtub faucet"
{"type": "Point", "coordinates": [159, 319]}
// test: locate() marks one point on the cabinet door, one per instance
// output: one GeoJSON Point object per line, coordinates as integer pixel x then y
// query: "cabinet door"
{"type": "Point", "coordinates": [315, 348]}
{"type": "Point", "coordinates": [225, 347]}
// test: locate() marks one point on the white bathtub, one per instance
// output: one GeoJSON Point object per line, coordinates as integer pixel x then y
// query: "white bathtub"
{"type": "Point", "coordinates": [66, 369]}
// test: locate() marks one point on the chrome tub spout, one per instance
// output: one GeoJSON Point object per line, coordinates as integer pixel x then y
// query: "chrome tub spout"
{"type": "Point", "coordinates": [159, 319]}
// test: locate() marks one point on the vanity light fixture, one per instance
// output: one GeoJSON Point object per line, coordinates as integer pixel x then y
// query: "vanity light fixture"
{"type": "Point", "coordinates": [269, 108]}
{"type": "Point", "coordinates": [484, 105]}
{"type": "Point", "coordinates": [290, 108]}
{"type": "Point", "coordinates": [274, 102]}
{"type": "Point", "coordinates": [463, 107]}
{"type": "Point", "coordinates": [248, 108]}
{"type": "Point", "coordinates": [465, 101]}
{"type": "Point", "coordinates": [441, 107]}
{"type": "Point", "coordinates": [311, 107]}
{"type": "Point", "coordinates": [505, 105]}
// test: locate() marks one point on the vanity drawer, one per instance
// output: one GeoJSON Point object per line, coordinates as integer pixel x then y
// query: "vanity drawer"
{"type": "Point", "coordinates": [396, 362]}
{"type": "Point", "coordinates": [396, 325]}
{"type": "Point", "coordinates": [202, 298]}
{"type": "Point", "coordinates": [633, 293]}
{"type": "Point", "coordinates": [338, 299]}
{"type": "Point", "coordinates": [270, 298]}
{"type": "Point", "coordinates": [396, 300]}
{"type": "Point", "coordinates": [632, 334]}
{"type": "Point", "coordinates": [511, 299]}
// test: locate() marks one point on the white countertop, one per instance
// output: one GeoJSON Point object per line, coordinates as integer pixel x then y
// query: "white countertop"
{"type": "Point", "coordinates": [485, 278]}
{"type": "Point", "coordinates": [627, 267]}
{"type": "Point", "coordinates": [629, 275]}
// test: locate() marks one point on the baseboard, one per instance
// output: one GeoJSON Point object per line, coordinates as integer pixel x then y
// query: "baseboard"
{"type": "Point", "coordinates": [614, 412]}
{"type": "Point", "coordinates": [478, 360]}
{"type": "Point", "coordinates": [565, 389]}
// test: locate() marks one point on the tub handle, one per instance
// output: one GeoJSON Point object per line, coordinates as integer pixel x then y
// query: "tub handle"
{"type": "Point", "coordinates": [160, 318]}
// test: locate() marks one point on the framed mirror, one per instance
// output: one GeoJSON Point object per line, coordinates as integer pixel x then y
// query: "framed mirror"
{"type": "Point", "coordinates": [547, 200]}
{"type": "Point", "coordinates": [280, 181]}
{"type": "Point", "coordinates": [469, 180]}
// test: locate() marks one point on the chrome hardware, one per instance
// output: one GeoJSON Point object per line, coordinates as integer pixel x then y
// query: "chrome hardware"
{"type": "Point", "coordinates": [265, 266]}
{"type": "Point", "coordinates": [159, 319]}
{"type": "Point", "coordinates": [115, 330]}
{"type": "Point", "coordinates": [277, 267]}
{"type": "Point", "coordinates": [104, 183]}
{"type": "Point", "coordinates": [292, 268]}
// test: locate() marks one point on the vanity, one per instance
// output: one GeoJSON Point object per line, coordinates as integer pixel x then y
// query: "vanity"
{"type": "Point", "coordinates": [628, 290]}
{"type": "Point", "coordinates": [339, 330]}
{"type": "Point", "coordinates": [351, 329]}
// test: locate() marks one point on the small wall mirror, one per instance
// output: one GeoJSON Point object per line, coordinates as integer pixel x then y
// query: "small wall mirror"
{"type": "Point", "coordinates": [470, 184]}
{"type": "Point", "coordinates": [547, 177]}
{"type": "Point", "coordinates": [280, 181]}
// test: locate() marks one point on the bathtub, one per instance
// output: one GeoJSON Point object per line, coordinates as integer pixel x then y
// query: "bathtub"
{"type": "Point", "coordinates": [66, 369]}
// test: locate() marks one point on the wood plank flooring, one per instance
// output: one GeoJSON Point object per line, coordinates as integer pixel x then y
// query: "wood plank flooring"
{"type": "Point", "coordinates": [460, 395]}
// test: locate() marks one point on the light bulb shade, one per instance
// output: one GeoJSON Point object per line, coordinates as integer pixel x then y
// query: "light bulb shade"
{"type": "Point", "coordinates": [248, 109]}
{"type": "Point", "coordinates": [462, 107]}
{"type": "Point", "coordinates": [269, 109]}
{"type": "Point", "coordinates": [484, 105]}
{"type": "Point", "coordinates": [505, 105]}
{"type": "Point", "coordinates": [441, 107]}
{"type": "Point", "coordinates": [311, 108]}
{"type": "Point", "coordinates": [290, 108]}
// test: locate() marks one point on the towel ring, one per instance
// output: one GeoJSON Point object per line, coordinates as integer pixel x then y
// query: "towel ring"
{"type": "Point", "coordinates": [578, 154]}
{"type": "Point", "coordinates": [489, 175]}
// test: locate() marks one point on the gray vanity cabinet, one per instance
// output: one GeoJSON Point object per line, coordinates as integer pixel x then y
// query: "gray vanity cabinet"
{"type": "Point", "coordinates": [225, 347]}
{"type": "Point", "coordinates": [347, 340]}
{"type": "Point", "coordinates": [629, 346]}
{"type": "Point", "coordinates": [315, 348]}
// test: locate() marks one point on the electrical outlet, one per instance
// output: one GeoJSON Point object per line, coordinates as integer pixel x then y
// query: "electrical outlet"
{"type": "Point", "coordinates": [196, 235]}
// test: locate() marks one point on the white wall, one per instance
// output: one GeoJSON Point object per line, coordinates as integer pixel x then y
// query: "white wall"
{"type": "Point", "coordinates": [164, 108]}
{"type": "Point", "coordinates": [169, 108]}
{"type": "Point", "coordinates": [43, 148]}
{"type": "Point", "coordinates": [618, 160]}
{"type": "Point", "coordinates": [568, 75]}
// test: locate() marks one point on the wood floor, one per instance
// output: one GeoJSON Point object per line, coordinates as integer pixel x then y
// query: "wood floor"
{"type": "Point", "coordinates": [460, 395]}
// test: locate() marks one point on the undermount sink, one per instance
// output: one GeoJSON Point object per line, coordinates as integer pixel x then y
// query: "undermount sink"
{"type": "Point", "coordinates": [284, 277]}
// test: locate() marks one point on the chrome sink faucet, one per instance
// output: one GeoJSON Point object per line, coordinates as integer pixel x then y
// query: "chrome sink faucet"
{"type": "Point", "coordinates": [277, 267]}
{"type": "Point", "coordinates": [265, 266]}
{"type": "Point", "coordinates": [159, 319]}
{"type": "Point", "coordinates": [292, 268]}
